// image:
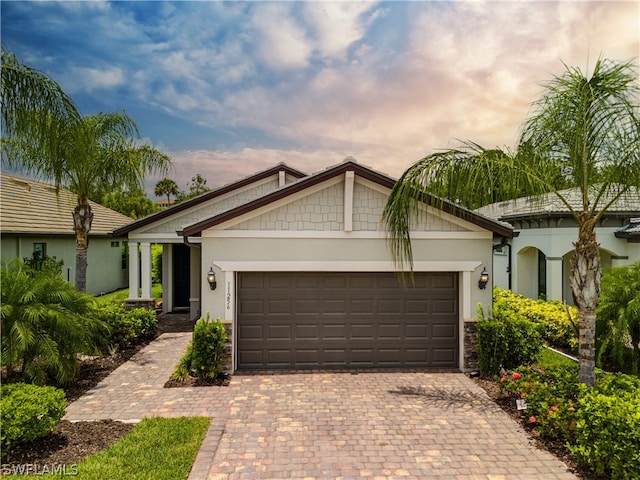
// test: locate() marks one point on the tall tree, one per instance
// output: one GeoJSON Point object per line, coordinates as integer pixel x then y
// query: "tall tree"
{"type": "Point", "coordinates": [45, 135]}
{"type": "Point", "coordinates": [132, 203]}
{"type": "Point", "coordinates": [167, 187]}
{"type": "Point", "coordinates": [34, 107]}
{"type": "Point", "coordinates": [197, 186]}
{"type": "Point", "coordinates": [583, 133]}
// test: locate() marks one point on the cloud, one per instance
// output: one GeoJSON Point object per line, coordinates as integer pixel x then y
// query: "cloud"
{"type": "Point", "coordinates": [90, 79]}
{"type": "Point", "coordinates": [281, 42]}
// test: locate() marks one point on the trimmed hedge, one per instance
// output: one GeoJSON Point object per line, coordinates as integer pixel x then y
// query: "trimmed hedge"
{"type": "Point", "coordinates": [126, 326]}
{"type": "Point", "coordinates": [506, 341]}
{"type": "Point", "coordinates": [29, 412]}
{"type": "Point", "coordinates": [556, 328]}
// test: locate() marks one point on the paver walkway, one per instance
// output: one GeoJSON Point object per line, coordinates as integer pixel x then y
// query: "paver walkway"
{"type": "Point", "coordinates": [327, 425]}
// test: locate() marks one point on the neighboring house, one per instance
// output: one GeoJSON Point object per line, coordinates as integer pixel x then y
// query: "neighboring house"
{"type": "Point", "coordinates": [538, 261]}
{"type": "Point", "coordinates": [304, 275]}
{"type": "Point", "coordinates": [35, 217]}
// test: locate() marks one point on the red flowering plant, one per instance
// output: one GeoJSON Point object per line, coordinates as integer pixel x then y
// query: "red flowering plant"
{"type": "Point", "coordinates": [550, 397]}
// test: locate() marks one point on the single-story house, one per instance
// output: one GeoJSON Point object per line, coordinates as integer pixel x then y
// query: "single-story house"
{"type": "Point", "coordinates": [538, 260]}
{"type": "Point", "coordinates": [37, 217]}
{"type": "Point", "coordinates": [304, 278]}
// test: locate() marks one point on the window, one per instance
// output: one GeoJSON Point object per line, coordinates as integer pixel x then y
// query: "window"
{"type": "Point", "coordinates": [39, 251]}
{"type": "Point", "coordinates": [115, 244]}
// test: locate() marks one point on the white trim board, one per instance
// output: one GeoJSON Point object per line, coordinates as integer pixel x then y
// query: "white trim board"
{"type": "Point", "coordinates": [342, 266]}
{"type": "Point", "coordinates": [362, 234]}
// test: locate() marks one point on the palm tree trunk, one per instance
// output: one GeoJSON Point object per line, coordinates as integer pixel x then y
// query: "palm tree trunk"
{"type": "Point", "coordinates": [82, 219]}
{"type": "Point", "coordinates": [585, 284]}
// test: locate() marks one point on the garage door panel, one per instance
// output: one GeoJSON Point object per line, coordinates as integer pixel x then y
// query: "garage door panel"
{"type": "Point", "coordinates": [308, 332]}
{"type": "Point", "coordinates": [251, 332]}
{"type": "Point", "coordinates": [365, 331]}
{"type": "Point", "coordinates": [316, 320]}
{"type": "Point", "coordinates": [335, 331]}
{"type": "Point", "coordinates": [445, 306]}
{"type": "Point", "coordinates": [362, 307]}
{"type": "Point", "coordinates": [443, 332]}
{"type": "Point", "coordinates": [390, 332]}
{"type": "Point", "coordinates": [280, 332]}
{"type": "Point", "coordinates": [307, 306]}
{"type": "Point", "coordinates": [443, 356]}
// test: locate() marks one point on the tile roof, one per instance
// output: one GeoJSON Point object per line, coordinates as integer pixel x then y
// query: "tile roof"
{"type": "Point", "coordinates": [550, 205]}
{"type": "Point", "coordinates": [32, 207]}
{"type": "Point", "coordinates": [632, 230]}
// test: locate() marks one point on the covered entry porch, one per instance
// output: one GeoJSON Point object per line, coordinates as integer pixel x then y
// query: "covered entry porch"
{"type": "Point", "coordinates": [180, 277]}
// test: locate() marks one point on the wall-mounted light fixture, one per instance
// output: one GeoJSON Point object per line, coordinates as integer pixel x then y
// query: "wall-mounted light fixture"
{"type": "Point", "coordinates": [484, 279]}
{"type": "Point", "coordinates": [211, 278]}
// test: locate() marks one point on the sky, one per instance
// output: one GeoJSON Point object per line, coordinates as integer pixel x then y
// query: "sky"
{"type": "Point", "coordinates": [228, 89]}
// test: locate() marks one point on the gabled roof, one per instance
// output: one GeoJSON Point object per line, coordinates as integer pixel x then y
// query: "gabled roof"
{"type": "Point", "coordinates": [348, 164]}
{"type": "Point", "coordinates": [28, 206]}
{"type": "Point", "coordinates": [549, 205]}
{"type": "Point", "coordinates": [205, 197]}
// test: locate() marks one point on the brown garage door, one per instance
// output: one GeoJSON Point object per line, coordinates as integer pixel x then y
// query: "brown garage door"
{"type": "Point", "coordinates": [350, 320]}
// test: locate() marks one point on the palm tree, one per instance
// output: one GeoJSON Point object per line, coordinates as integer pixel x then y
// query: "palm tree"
{"type": "Point", "coordinates": [583, 133]}
{"type": "Point", "coordinates": [30, 100]}
{"type": "Point", "coordinates": [82, 153]}
{"type": "Point", "coordinates": [619, 315]}
{"type": "Point", "coordinates": [45, 323]}
{"type": "Point", "coordinates": [100, 151]}
{"type": "Point", "coordinates": [167, 187]}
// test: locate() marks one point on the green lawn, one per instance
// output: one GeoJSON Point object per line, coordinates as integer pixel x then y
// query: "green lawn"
{"type": "Point", "coordinates": [549, 358]}
{"type": "Point", "coordinates": [156, 448]}
{"type": "Point", "coordinates": [122, 295]}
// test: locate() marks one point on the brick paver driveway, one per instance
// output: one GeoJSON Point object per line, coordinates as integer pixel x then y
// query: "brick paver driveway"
{"type": "Point", "coordinates": [328, 425]}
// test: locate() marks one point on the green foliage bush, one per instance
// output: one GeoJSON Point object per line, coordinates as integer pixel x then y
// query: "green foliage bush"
{"type": "Point", "coordinates": [551, 397]}
{"type": "Point", "coordinates": [600, 425]}
{"type": "Point", "coordinates": [618, 319]}
{"type": "Point", "coordinates": [46, 322]}
{"type": "Point", "coordinates": [29, 412]}
{"type": "Point", "coordinates": [607, 433]}
{"type": "Point", "coordinates": [556, 328]}
{"type": "Point", "coordinates": [507, 340]}
{"type": "Point", "coordinates": [126, 327]}
{"type": "Point", "coordinates": [204, 355]}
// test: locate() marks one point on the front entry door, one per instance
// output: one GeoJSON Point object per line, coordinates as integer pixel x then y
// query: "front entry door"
{"type": "Point", "coordinates": [181, 275]}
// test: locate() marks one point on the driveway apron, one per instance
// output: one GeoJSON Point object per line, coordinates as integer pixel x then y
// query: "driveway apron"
{"type": "Point", "coordinates": [326, 425]}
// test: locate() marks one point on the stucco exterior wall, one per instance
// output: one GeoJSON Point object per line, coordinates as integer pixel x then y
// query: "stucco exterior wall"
{"type": "Point", "coordinates": [334, 254]}
{"type": "Point", "coordinates": [104, 261]}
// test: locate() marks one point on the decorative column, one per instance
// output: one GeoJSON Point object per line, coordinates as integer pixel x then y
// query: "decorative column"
{"type": "Point", "coordinates": [145, 248]}
{"type": "Point", "coordinates": [134, 273]}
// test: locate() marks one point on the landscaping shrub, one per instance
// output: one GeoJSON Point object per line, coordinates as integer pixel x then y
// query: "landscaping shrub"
{"type": "Point", "coordinates": [46, 322]}
{"type": "Point", "coordinates": [507, 340]}
{"type": "Point", "coordinates": [607, 432]}
{"type": "Point", "coordinates": [556, 328]}
{"type": "Point", "coordinates": [551, 397]}
{"type": "Point", "coordinates": [618, 319]}
{"type": "Point", "coordinates": [600, 425]}
{"type": "Point", "coordinates": [29, 412]}
{"type": "Point", "coordinates": [125, 327]}
{"type": "Point", "coordinates": [204, 355]}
